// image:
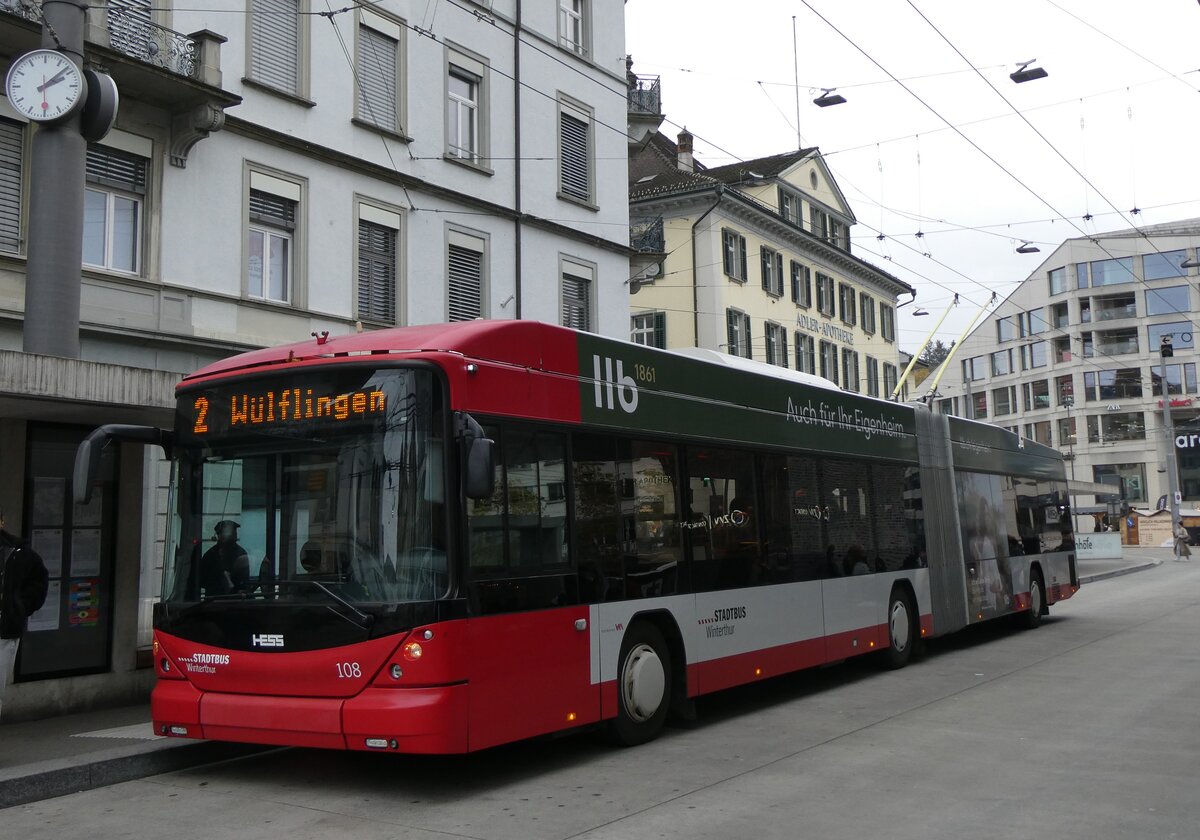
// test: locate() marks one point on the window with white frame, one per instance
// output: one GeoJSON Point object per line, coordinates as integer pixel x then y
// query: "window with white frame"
{"type": "Point", "coordinates": [113, 208]}
{"type": "Point", "coordinates": [801, 285]}
{"type": "Point", "coordinates": [737, 333]}
{"type": "Point", "coordinates": [464, 275]}
{"type": "Point", "coordinates": [577, 281]}
{"type": "Point", "coordinates": [464, 108]}
{"type": "Point", "coordinates": [824, 294]}
{"type": "Point", "coordinates": [806, 353]}
{"type": "Point", "coordinates": [378, 240]}
{"type": "Point", "coordinates": [847, 303]}
{"type": "Point", "coordinates": [270, 241]}
{"type": "Point", "coordinates": [789, 206]}
{"type": "Point", "coordinates": [377, 71]}
{"type": "Point", "coordinates": [887, 322]}
{"type": "Point", "coordinates": [733, 247]}
{"type": "Point", "coordinates": [649, 329]}
{"type": "Point", "coordinates": [850, 369]}
{"type": "Point", "coordinates": [890, 377]}
{"type": "Point", "coordinates": [574, 152]}
{"type": "Point", "coordinates": [872, 377]}
{"type": "Point", "coordinates": [771, 262]}
{"type": "Point", "coordinates": [866, 312]}
{"type": "Point", "coordinates": [277, 33]}
{"type": "Point", "coordinates": [574, 25]}
{"type": "Point", "coordinates": [829, 361]}
{"type": "Point", "coordinates": [12, 163]}
{"type": "Point", "coordinates": [777, 349]}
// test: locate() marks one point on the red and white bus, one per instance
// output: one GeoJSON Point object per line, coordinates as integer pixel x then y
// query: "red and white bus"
{"type": "Point", "coordinates": [438, 539]}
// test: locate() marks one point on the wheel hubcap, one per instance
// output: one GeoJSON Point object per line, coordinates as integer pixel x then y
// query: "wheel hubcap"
{"type": "Point", "coordinates": [644, 683]}
{"type": "Point", "coordinates": [1035, 597]}
{"type": "Point", "coordinates": [899, 623]}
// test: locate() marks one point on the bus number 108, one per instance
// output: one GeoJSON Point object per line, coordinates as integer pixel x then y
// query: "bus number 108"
{"type": "Point", "coordinates": [348, 670]}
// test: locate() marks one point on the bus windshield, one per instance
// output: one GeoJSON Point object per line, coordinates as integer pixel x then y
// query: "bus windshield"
{"type": "Point", "coordinates": [318, 486]}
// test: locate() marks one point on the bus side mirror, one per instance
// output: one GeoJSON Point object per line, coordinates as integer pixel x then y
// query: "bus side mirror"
{"type": "Point", "coordinates": [87, 456]}
{"type": "Point", "coordinates": [481, 473]}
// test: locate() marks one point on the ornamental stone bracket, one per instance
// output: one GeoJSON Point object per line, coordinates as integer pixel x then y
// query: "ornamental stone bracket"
{"type": "Point", "coordinates": [190, 127]}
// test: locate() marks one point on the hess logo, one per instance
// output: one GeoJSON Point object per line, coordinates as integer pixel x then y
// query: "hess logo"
{"type": "Point", "coordinates": [266, 640]}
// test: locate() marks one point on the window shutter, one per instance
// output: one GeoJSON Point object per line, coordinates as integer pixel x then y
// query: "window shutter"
{"type": "Point", "coordinates": [573, 143]}
{"type": "Point", "coordinates": [275, 43]}
{"type": "Point", "coordinates": [113, 168]}
{"type": "Point", "coordinates": [129, 27]}
{"type": "Point", "coordinates": [727, 252]}
{"type": "Point", "coordinates": [377, 78]}
{"type": "Point", "coordinates": [764, 261]}
{"type": "Point", "coordinates": [11, 135]}
{"type": "Point", "coordinates": [731, 325]}
{"type": "Point", "coordinates": [660, 330]}
{"type": "Point", "coordinates": [749, 353]}
{"type": "Point", "coordinates": [465, 286]}
{"type": "Point", "coordinates": [783, 349]}
{"type": "Point", "coordinates": [741, 241]}
{"type": "Point", "coordinates": [376, 272]}
{"type": "Point", "coordinates": [272, 209]}
{"type": "Point", "coordinates": [576, 303]}
{"type": "Point", "coordinates": [769, 335]}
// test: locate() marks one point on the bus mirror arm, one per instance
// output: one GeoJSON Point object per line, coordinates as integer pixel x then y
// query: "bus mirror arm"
{"type": "Point", "coordinates": [87, 456]}
{"type": "Point", "coordinates": [478, 458]}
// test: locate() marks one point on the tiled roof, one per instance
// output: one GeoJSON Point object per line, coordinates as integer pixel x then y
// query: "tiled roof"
{"type": "Point", "coordinates": [654, 169]}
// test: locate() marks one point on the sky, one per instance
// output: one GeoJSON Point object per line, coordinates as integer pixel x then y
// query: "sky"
{"type": "Point", "coordinates": [936, 149]}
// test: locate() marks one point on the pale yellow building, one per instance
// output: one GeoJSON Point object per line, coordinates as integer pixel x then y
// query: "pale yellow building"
{"type": "Point", "coordinates": [754, 259]}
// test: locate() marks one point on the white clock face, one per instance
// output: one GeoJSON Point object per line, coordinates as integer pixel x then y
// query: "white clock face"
{"type": "Point", "coordinates": [45, 85]}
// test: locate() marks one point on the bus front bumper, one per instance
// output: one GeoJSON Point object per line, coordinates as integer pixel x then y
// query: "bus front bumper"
{"type": "Point", "coordinates": [430, 719]}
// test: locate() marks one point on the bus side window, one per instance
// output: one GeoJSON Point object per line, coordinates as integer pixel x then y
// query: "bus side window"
{"type": "Point", "coordinates": [722, 524]}
{"type": "Point", "coordinates": [596, 524]}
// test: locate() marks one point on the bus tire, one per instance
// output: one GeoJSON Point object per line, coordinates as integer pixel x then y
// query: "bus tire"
{"type": "Point", "coordinates": [643, 685]}
{"type": "Point", "coordinates": [1037, 601]}
{"type": "Point", "coordinates": [902, 629]}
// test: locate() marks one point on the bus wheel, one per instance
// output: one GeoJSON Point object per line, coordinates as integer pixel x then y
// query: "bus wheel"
{"type": "Point", "coordinates": [902, 624]}
{"type": "Point", "coordinates": [1037, 601]}
{"type": "Point", "coordinates": [643, 685]}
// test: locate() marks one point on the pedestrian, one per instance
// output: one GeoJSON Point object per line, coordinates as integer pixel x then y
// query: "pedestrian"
{"type": "Point", "coordinates": [23, 584]}
{"type": "Point", "coordinates": [1181, 542]}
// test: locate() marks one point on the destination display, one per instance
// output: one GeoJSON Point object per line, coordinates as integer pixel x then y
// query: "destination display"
{"type": "Point", "coordinates": [294, 405]}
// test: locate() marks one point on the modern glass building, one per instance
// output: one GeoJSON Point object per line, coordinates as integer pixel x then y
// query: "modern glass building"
{"type": "Point", "coordinates": [1073, 358]}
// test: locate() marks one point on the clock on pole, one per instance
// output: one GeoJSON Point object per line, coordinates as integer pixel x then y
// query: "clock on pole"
{"type": "Point", "coordinates": [45, 86]}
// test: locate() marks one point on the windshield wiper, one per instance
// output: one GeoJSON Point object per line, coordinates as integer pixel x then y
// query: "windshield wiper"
{"type": "Point", "coordinates": [364, 620]}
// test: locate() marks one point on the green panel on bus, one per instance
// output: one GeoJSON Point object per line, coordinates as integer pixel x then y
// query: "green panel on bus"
{"type": "Point", "coordinates": [648, 390]}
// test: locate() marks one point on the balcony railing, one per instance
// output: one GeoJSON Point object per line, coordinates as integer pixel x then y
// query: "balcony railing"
{"type": "Point", "coordinates": [129, 32]}
{"type": "Point", "coordinates": [646, 235]}
{"type": "Point", "coordinates": [645, 95]}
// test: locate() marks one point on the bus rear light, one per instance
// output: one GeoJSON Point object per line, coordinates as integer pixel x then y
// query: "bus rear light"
{"type": "Point", "coordinates": [396, 671]}
{"type": "Point", "coordinates": [413, 651]}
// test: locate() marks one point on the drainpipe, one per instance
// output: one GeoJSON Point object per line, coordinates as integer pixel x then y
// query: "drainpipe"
{"type": "Point", "coordinates": [695, 281]}
{"type": "Point", "coordinates": [517, 159]}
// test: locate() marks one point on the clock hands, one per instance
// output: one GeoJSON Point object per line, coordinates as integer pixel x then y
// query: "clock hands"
{"type": "Point", "coordinates": [53, 80]}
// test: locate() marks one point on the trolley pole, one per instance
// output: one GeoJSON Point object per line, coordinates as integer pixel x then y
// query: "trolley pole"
{"type": "Point", "coordinates": [1166, 351]}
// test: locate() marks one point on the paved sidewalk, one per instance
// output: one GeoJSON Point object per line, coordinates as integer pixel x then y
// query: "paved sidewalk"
{"type": "Point", "coordinates": [61, 755]}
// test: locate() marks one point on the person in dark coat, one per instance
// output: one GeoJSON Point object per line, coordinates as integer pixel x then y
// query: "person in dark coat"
{"type": "Point", "coordinates": [24, 582]}
{"type": "Point", "coordinates": [225, 568]}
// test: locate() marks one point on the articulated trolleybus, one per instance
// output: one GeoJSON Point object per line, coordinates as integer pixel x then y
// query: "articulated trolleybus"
{"type": "Point", "coordinates": [438, 539]}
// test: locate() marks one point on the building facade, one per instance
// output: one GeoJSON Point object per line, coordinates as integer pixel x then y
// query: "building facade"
{"type": "Point", "coordinates": [1073, 359]}
{"type": "Point", "coordinates": [754, 260]}
{"type": "Point", "coordinates": [276, 173]}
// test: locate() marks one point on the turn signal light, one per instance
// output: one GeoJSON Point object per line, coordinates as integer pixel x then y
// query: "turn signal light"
{"type": "Point", "coordinates": [570, 716]}
{"type": "Point", "coordinates": [413, 651]}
